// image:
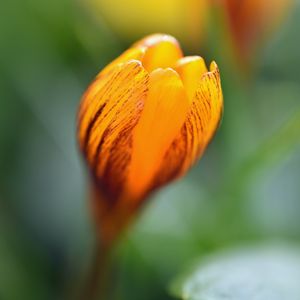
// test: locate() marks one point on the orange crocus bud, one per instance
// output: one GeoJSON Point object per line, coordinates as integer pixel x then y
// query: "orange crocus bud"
{"type": "Point", "coordinates": [144, 121]}
{"type": "Point", "coordinates": [251, 20]}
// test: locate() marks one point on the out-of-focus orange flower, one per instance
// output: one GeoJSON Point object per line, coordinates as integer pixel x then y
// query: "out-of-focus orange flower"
{"type": "Point", "coordinates": [185, 19]}
{"type": "Point", "coordinates": [251, 21]}
{"type": "Point", "coordinates": [144, 121]}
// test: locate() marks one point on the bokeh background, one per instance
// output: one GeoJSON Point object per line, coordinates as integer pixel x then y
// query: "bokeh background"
{"type": "Point", "coordinates": [245, 189]}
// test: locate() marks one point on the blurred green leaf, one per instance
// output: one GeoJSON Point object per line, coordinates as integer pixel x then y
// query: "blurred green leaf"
{"type": "Point", "coordinates": [261, 273]}
{"type": "Point", "coordinates": [25, 271]}
{"type": "Point", "coordinates": [271, 152]}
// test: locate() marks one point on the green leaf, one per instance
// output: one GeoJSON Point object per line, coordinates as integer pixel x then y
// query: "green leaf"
{"type": "Point", "coordinates": [258, 273]}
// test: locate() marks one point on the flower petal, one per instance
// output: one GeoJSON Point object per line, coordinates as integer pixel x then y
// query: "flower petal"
{"type": "Point", "coordinates": [162, 51]}
{"type": "Point", "coordinates": [204, 115]}
{"type": "Point", "coordinates": [210, 90]}
{"type": "Point", "coordinates": [135, 53]}
{"type": "Point", "coordinates": [106, 125]}
{"type": "Point", "coordinates": [191, 69]}
{"type": "Point", "coordinates": [163, 116]}
{"type": "Point", "coordinates": [154, 39]}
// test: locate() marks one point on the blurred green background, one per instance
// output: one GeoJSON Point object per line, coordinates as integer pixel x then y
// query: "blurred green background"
{"type": "Point", "coordinates": [245, 189]}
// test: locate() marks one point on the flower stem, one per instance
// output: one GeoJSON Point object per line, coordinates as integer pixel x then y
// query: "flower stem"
{"type": "Point", "coordinates": [98, 278]}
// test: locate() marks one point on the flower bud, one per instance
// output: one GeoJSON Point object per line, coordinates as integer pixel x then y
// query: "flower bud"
{"type": "Point", "coordinates": [144, 121]}
{"type": "Point", "coordinates": [250, 21]}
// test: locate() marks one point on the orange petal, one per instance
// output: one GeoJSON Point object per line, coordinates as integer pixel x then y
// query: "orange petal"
{"type": "Point", "coordinates": [154, 39]}
{"type": "Point", "coordinates": [210, 88]}
{"type": "Point", "coordinates": [131, 54]}
{"type": "Point", "coordinates": [191, 69]}
{"type": "Point", "coordinates": [90, 103]}
{"type": "Point", "coordinates": [204, 115]}
{"type": "Point", "coordinates": [106, 125]}
{"type": "Point", "coordinates": [135, 53]}
{"type": "Point", "coordinates": [163, 116]}
{"type": "Point", "coordinates": [162, 51]}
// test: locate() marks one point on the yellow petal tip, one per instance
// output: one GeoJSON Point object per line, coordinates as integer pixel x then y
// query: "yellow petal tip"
{"type": "Point", "coordinates": [213, 66]}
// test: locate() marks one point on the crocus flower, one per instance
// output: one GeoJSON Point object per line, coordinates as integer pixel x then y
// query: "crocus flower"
{"type": "Point", "coordinates": [144, 121]}
{"type": "Point", "coordinates": [250, 21]}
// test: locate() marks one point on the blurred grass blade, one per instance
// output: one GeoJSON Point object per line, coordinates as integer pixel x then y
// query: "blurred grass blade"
{"type": "Point", "coordinates": [235, 189]}
{"type": "Point", "coordinates": [269, 154]}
